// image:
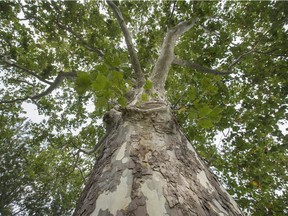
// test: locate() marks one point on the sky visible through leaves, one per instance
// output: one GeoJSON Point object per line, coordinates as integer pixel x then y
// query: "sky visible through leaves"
{"type": "Point", "coordinates": [237, 122]}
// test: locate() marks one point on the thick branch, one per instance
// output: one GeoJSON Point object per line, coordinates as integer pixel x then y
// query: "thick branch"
{"type": "Point", "coordinates": [190, 64]}
{"type": "Point", "coordinates": [52, 87]}
{"type": "Point", "coordinates": [166, 57]}
{"type": "Point", "coordinates": [132, 53]}
{"type": "Point", "coordinates": [198, 67]}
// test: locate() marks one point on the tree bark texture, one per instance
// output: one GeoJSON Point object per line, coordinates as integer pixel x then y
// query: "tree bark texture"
{"type": "Point", "coordinates": [148, 167]}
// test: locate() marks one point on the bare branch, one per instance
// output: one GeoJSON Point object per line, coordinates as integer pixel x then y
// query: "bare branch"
{"type": "Point", "coordinates": [52, 87]}
{"type": "Point", "coordinates": [271, 52]}
{"type": "Point", "coordinates": [132, 53]}
{"type": "Point", "coordinates": [24, 69]}
{"type": "Point", "coordinates": [166, 57]}
{"type": "Point", "coordinates": [198, 67]}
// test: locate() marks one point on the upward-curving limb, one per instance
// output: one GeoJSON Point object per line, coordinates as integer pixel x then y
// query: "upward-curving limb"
{"type": "Point", "coordinates": [166, 57]}
{"type": "Point", "coordinates": [128, 39]}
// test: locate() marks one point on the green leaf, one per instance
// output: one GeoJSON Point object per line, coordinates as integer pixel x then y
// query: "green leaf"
{"type": "Point", "coordinates": [148, 85]}
{"type": "Point", "coordinates": [116, 76]}
{"type": "Point", "coordinates": [205, 123]}
{"type": "Point", "coordinates": [193, 114]}
{"type": "Point", "coordinates": [99, 83]}
{"type": "Point", "coordinates": [122, 101]}
{"type": "Point", "coordinates": [192, 92]}
{"type": "Point", "coordinates": [82, 82]}
{"type": "Point", "coordinates": [204, 110]}
{"type": "Point", "coordinates": [215, 114]}
{"type": "Point", "coordinates": [144, 97]}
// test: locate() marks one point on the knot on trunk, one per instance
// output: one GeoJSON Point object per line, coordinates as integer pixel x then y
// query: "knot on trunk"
{"type": "Point", "coordinates": [111, 119]}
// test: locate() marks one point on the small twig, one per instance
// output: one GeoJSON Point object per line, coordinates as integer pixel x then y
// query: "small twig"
{"type": "Point", "coordinates": [174, 107]}
{"type": "Point", "coordinates": [270, 52]}
{"type": "Point", "coordinates": [14, 100]}
{"type": "Point", "coordinates": [96, 147]}
{"type": "Point", "coordinates": [74, 165]}
{"type": "Point", "coordinates": [67, 28]}
{"type": "Point", "coordinates": [225, 135]}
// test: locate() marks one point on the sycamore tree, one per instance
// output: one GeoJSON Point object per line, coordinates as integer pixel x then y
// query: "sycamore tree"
{"type": "Point", "coordinates": [79, 61]}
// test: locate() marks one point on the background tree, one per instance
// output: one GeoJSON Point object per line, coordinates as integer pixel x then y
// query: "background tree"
{"type": "Point", "coordinates": [229, 76]}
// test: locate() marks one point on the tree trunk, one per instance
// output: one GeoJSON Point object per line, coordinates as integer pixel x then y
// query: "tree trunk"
{"type": "Point", "coordinates": [148, 167]}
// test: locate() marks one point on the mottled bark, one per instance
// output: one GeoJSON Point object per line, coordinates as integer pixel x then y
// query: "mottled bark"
{"type": "Point", "coordinates": [166, 57]}
{"type": "Point", "coordinates": [148, 167]}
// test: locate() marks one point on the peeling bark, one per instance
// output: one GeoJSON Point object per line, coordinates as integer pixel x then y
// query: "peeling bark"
{"type": "Point", "coordinates": [148, 167]}
{"type": "Point", "coordinates": [166, 57]}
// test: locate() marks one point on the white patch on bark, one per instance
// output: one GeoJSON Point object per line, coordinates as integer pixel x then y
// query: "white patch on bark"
{"type": "Point", "coordinates": [220, 210]}
{"type": "Point", "coordinates": [152, 189]}
{"type": "Point", "coordinates": [118, 199]}
{"type": "Point", "coordinates": [190, 147]}
{"type": "Point", "coordinates": [107, 167]}
{"type": "Point", "coordinates": [121, 152]}
{"type": "Point", "coordinates": [204, 181]}
{"type": "Point", "coordinates": [232, 201]}
{"type": "Point", "coordinates": [172, 155]}
{"type": "Point", "coordinates": [125, 160]}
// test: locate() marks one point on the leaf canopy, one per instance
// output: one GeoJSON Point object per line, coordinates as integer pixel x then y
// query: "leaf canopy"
{"type": "Point", "coordinates": [42, 170]}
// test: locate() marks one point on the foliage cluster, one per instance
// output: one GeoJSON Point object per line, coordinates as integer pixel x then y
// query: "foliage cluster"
{"type": "Point", "coordinates": [41, 168]}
